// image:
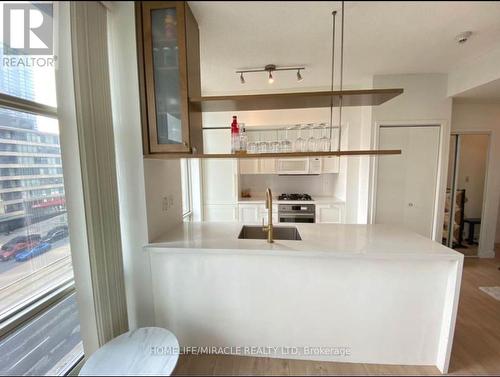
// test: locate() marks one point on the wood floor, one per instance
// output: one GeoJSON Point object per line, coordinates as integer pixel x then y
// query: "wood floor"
{"type": "Point", "coordinates": [476, 346]}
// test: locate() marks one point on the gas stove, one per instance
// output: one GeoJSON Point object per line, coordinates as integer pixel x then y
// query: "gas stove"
{"type": "Point", "coordinates": [296, 197]}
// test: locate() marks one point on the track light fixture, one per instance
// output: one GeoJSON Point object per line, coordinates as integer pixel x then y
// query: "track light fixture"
{"type": "Point", "coordinates": [270, 68]}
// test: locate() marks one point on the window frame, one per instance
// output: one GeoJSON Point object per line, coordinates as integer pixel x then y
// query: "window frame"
{"type": "Point", "coordinates": [186, 187]}
{"type": "Point", "coordinates": [18, 316]}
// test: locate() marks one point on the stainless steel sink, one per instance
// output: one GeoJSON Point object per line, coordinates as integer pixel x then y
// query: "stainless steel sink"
{"type": "Point", "coordinates": [255, 232]}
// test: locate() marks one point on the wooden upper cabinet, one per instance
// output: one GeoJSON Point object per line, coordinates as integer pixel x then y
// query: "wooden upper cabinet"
{"type": "Point", "coordinates": [169, 70]}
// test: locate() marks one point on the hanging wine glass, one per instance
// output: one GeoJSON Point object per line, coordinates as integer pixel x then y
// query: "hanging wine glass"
{"type": "Point", "coordinates": [274, 147]}
{"type": "Point", "coordinates": [311, 140]}
{"type": "Point", "coordinates": [300, 143]}
{"type": "Point", "coordinates": [324, 141]}
{"type": "Point", "coordinates": [286, 144]}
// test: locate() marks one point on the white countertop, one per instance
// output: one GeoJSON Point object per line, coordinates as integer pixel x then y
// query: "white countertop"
{"type": "Point", "coordinates": [376, 241]}
{"type": "Point", "coordinates": [316, 200]}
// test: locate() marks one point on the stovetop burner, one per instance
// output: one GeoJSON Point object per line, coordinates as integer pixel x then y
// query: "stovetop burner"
{"type": "Point", "coordinates": [294, 197]}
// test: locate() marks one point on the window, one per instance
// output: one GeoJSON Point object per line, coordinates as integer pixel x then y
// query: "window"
{"type": "Point", "coordinates": [187, 203]}
{"type": "Point", "coordinates": [38, 313]}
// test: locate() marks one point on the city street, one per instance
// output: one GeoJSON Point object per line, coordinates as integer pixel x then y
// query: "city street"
{"type": "Point", "coordinates": [53, 339]}
{"type": "Point", "coordinates": [21, 282]}
{"type": "Point", "coordinates": [60, 249]}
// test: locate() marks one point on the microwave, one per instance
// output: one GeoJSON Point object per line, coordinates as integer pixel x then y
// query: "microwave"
{"type": "Point", "coordinates": [299, 166]}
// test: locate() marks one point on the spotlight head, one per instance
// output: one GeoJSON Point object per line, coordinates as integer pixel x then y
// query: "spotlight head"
{"type": "Point", "coordinates": [299, 76]}
{"type": "Point", "coordinates": [242, 79]}
{"type": "Point", "coordinates": [271, 78]}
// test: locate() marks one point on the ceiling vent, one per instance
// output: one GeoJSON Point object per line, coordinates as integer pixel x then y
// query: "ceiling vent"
{"type": "Point", "coordinates": [463, 37]}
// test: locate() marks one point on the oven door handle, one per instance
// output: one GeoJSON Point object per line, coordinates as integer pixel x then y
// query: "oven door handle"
{"type": "Point", "coordinates": [288, 215]}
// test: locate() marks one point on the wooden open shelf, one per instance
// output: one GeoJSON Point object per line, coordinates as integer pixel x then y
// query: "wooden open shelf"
{"type": "Point", "coordinates": [365, 97]}
{"type": "Point", "coordinates": [379, 152]}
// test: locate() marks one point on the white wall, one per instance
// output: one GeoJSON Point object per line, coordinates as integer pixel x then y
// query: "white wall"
{"type": "Point", "coordinates": [424, 98]}
{"type": "Point", "coordinates": [484, 117]}
{"type": "Point", "coordinates": [424, 101]}
{"type": "Point", "coordinates": [137, 181]}
{"type": "Point", "coordinates": [164, 196]}
{"type": "Point", "coordinates": [314, 185]}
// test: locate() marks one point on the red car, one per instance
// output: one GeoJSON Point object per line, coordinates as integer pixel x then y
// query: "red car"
{"type": "Point", "coordinates": [18, 244]}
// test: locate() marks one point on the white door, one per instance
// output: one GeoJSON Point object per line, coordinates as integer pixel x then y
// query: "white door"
{"type": "Point", "coordinates": [406, 183]}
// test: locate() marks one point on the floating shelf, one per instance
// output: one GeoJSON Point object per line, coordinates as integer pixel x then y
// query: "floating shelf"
{"type": "Point", "coordinates": [365, 97]}
{"type": "Point", "coordinates": [379, 152]}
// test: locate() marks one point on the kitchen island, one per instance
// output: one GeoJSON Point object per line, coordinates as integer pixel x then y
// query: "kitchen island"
{"type": "Point", "coordinates": [346, 293]}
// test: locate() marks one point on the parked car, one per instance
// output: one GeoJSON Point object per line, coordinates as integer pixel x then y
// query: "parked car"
{"type": "Point", "coordinates": [13, 241]}
{"type": "Point", "coordinates": [33, 252]}
{"type": "Point", "coordinates": [56, 236]}
{"type": "Point", "coordinates": [55, 230]}
{"type": "Point", "coordinates": [18, 244]}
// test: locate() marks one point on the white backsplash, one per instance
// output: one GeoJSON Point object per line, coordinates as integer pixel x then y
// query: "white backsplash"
{"type": "Point", "coordinates": [314, 185]}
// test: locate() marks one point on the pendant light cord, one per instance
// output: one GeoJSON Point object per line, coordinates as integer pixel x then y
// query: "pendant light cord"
{"type": "Point", "coordinates": [334, 14]}
{"type": "Point", "coordinates": [341, 74]}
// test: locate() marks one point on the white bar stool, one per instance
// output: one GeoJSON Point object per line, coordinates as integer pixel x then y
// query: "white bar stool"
{"type": "Point", "coordinates": [145, 351]}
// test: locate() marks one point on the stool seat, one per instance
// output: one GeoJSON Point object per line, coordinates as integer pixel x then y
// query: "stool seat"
{"type": "Point", "coordinates": [145, 351]}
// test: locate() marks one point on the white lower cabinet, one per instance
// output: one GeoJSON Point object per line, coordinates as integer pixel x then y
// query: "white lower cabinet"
{"type": "Point", "coordinates": [220, 212]}
{"type": "Point", "coordinates": [329, 213]}
{"type": "Point", "coordinates": [248, 213]}
{"type": "Point", "coordinates": [255, 213]}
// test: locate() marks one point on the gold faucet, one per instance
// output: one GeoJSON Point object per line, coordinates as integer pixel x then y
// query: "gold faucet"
{"type": "Point", "coordinates": [269, 207]}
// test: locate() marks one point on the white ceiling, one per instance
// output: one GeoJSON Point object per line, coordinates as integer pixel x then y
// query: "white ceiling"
{"type": "Point", "coordinates": [380, 38]}
{"type": "Point", "coordinates": [489, 92]}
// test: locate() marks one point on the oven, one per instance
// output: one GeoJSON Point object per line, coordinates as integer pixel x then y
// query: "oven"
{"type": "Point", "coordinates": [297, 213]}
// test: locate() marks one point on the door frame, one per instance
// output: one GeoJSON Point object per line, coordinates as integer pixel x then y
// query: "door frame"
{"type": "Point", "coordinates": [482, 251]}
{"type": "Point", "coordinates": [443, 150]}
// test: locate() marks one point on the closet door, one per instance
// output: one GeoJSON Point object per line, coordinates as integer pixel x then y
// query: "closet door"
{"type": "Point", "coordinates": [406, 183]}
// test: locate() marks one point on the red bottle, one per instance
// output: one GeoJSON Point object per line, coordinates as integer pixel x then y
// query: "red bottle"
{"type": "Point", "coordinates": [235, 135]}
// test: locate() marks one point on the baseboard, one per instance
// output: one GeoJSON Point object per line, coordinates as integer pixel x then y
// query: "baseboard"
{"type": "Point", "coordinates": [487, 254]}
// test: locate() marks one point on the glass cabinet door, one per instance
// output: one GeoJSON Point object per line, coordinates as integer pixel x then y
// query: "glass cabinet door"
{"type": "Point", "coordinates": [165, 73]}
